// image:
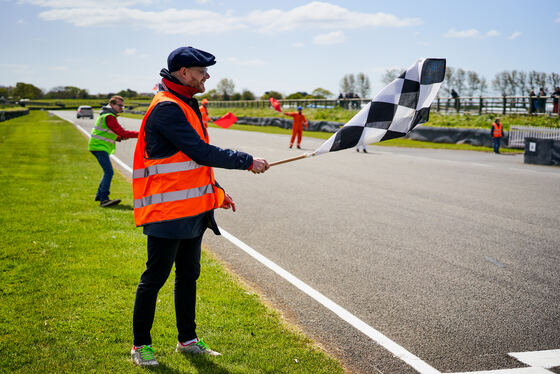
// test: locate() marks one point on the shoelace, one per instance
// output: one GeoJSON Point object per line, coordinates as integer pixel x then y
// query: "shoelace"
{"type": "Point", "coordinates": [147, 353]}
{"type": "Point", "coordinates": [202, 345]}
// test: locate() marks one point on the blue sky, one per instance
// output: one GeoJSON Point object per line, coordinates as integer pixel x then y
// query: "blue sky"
{"type": "Point", "coordinates": [287, 46]}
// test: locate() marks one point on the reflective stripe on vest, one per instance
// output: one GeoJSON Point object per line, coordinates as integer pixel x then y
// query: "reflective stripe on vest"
{"type": "Point", "coordinates": [102, 138]}
{"type": "Point", "coordinates": [173, 196]}
{"type": "Point", "coordinates": [173, 187]}
{"type": "Point", "coordinates": [496, 130]}
{"type": "Point", "coordinates": [164, 168]}
{"type": "Point", "coordinates": [100, 128]}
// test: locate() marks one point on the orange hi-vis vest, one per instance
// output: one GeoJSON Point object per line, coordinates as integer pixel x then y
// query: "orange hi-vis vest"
{"type": "Point", "coordinates": [204, 114]}
{"type": "Point", "coordinates": [174, 187]}
{"type": "Point", "coordinates": [497, 130]}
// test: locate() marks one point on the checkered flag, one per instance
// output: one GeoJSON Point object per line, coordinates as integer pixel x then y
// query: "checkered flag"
{"type": "Point", "coordinates": [395, 111]}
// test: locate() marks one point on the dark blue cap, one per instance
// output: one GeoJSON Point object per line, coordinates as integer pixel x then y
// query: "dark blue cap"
{"type": "Point", "coordinates": [189, 57]}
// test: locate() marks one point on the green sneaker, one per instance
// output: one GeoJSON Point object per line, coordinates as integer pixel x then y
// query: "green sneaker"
{"type": "Point", "coordinates": [143, 356]}
{"type": "Point", "coordinates": [197, 348]}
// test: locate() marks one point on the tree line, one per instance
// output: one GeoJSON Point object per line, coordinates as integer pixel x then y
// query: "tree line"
{"type": "Point", "coordinates": [28, 91]}
{"type": "Point", "coordinates": [505, 83]}
{"type": "Point", "coordinates": [225, 90]}
{"type": "Point", "coordinates": [465, 82]}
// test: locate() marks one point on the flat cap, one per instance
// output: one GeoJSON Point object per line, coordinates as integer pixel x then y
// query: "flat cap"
{"type": "Point", "coordinates": [189, 57]}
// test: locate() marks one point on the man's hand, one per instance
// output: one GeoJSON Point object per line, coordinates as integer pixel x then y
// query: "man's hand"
{"type": "Point", "coordinates": [228, 203]}
{"type": "Point", "coordinates": [259, 165]}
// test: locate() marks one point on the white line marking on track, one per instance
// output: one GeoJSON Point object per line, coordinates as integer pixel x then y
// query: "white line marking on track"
{"type": "Point", "coordinates": [539, 360]}
{"type": "Point", "coordinates": [544, 359]}
{"type": "Point", "coordinates": [417, 363]}
{"type": "Point", "coordinates": [511, 371]}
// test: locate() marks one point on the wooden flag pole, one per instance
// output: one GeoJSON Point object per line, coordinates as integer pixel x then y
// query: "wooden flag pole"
{"type": "Point", "coordinates": [291, 159]}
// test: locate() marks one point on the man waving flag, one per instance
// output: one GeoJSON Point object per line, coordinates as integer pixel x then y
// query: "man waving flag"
{"type": "Point", "coordinates": [395, 111]}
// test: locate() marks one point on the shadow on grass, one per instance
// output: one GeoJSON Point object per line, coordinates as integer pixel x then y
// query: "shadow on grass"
{"type": "Point", "coordinates": [121, 207]}
{"type": "Point", "coordinates": [204, 364]}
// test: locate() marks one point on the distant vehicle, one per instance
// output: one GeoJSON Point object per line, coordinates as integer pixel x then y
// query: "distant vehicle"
{"type": "Point", "coordinates": [84, 111]}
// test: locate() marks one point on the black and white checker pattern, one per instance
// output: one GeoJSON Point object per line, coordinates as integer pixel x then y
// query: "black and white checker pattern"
{"type": "Point", "coordinates": [395, 111]}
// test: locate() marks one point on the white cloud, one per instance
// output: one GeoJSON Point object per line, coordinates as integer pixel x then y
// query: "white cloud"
{"type": "Point", "coordinates": [335, 37]}
{"type": "Point", "coordinates": [298, 45]}
{"type": "Point", "coordinates": [558, 19]}
{"type": "Point", "coordinates": [85, 3]}
{"type": "Point", "coordinates": [131, 13]}
{"type": "Point", "coordinates": [515, 35]}
{"type": "Point", "coordinates": [169, 21]}
{"type": "Point", "coordinates": [324, 15]}
{"type": "Point", "coordinates": [129, 52]}
{"type": "Point", "coordinates": [245, 62]}
{"type": "Point", "coordinates": [470, 33]}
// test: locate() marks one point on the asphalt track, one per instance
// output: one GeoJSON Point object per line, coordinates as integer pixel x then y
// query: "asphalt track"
{"type": "Point", "coordinates": [453, 256]}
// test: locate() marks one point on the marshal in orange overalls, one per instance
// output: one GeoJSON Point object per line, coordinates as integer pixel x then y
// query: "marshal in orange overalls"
{"type": "Point", "coordinates": [297, 126]}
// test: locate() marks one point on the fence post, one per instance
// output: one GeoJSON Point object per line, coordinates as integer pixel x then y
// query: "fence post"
{"type": "Point", "coordinates": [480, 103]}
{"type": "Point", "coordinates": [438, 104]}
{"type": "Point", "coordinates": [504, 106]}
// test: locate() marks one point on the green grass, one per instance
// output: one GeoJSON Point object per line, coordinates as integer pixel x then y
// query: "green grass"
{"type": "Point", "coordinates": [70, 271]}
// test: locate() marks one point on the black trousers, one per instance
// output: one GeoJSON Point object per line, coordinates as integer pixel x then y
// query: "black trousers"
{"type": "Point", "coordinates": [161, 255]}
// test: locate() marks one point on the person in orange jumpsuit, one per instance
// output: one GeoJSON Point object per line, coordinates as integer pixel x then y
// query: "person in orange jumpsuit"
{"type": "Point", "coordinates": [297, 128]}
{"type": "Point", "coordinates": [204, 112]}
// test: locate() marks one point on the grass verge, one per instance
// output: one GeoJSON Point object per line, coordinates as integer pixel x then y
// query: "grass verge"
{"type": "Point", "coordinates": [70, 270]}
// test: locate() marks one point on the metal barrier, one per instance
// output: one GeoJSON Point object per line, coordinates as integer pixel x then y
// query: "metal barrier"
{"type": "Point", "coordinates": [517, 134]}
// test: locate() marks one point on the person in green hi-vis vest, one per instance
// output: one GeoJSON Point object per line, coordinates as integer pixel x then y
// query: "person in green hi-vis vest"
{"type": "Point", "coordinates": [104, 135]}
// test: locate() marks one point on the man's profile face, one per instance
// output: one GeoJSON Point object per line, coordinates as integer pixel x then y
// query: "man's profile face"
{"type": "Point", "coordinates": [195, 77]}
{"type": "Point", "coordinates": [118, 106]}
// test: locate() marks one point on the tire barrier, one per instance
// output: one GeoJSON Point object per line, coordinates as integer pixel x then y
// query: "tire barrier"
{"type": "Point", "coordinates": [476, 137]}
{"type": "Point", "coordinates": [324, 126]}
{"type": "Point", "coordinates": [542, 151]}
{"type": "Point", "coordinates": [9, 114]}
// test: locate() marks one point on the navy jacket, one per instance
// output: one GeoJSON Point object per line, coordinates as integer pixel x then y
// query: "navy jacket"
{"type": "Point", "coordinates": [166, 132]}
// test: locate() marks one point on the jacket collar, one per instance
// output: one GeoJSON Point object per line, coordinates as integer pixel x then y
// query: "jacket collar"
{"type": "Point", "coordinates": [175, 86]}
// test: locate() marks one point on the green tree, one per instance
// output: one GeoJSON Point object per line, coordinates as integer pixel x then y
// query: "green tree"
{"type": "Point", "coordinates": [268, 94]}
{"type": "Point", "coordinates": [225, 88]}
{"type": "Point", "coordinates": [247, 95]}
{"type": "Point", "coordinates": [27, 91]}
{"type": "Point", "coordinates": [348, 83]}
{"type": "Point", "coordinates": [6, 92]}
{"type": "Point", "coordinates": [297, 95]}
{"type": "Point", "coordinates": [127, 93]}
{"type": "Point", "coordinates": [210, 95]}
{"type": "Point", "coordinates": [67, 92]}
{"type": "Point", "coordinates": [362, 84]}
{"type": "Point", "coordinates": [321, 93]}
{"type": "Point", "coordinates": [390, 75]}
